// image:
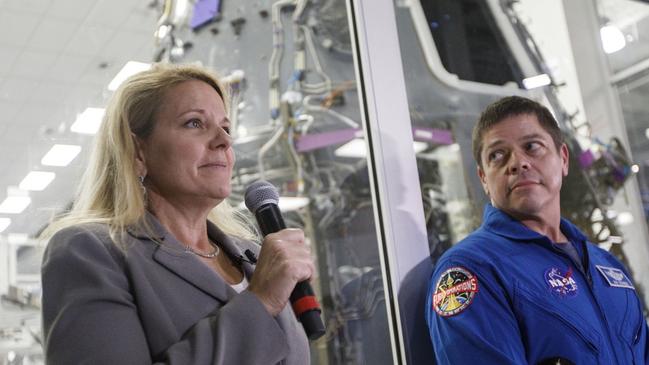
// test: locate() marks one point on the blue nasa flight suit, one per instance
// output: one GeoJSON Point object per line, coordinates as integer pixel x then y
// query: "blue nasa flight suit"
{"type": "Point", "coordinates": [506, 295]}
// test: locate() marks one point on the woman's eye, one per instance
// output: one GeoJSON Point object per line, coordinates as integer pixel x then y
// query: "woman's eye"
{"type": "Point", "coordinates": [193, 123]}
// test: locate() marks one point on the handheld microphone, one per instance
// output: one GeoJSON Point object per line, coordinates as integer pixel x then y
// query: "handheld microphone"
{"type": "Point", "coordinates": [261, 199]}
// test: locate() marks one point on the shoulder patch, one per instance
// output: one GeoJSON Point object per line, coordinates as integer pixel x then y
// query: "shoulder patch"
{"type": "Point", "coordinates": [454, 291]}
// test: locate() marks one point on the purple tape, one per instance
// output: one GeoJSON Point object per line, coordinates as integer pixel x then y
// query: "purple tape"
{"type": "Point", "coordinates": [204, 12]}
{"type": "Point", "coordinates": [586, 159]}
{"type": "Point", "coordinates": [314, 141]}
{"type": "Point", "coordinates": [432, 135]}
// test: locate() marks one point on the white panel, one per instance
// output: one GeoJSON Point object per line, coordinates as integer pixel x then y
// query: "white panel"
{"type": "Point", "coordinates": [52, 34]}
{"type": "Point", "coordinates": [394, 168]}
{"type": "Point", "coordinates": [4, 266]}
{"type": "Point", "coordinates": [16, 27]}
{"type": "Point", "coordinates": [90, 39]}
{"type": "Point", "coordinates": [555, 46]}
{"type": "Point", "coordinates": [142, 19]}
{"type": "Point", "coordinates": [9, 55]}
{"type": "Point", "coordinates": [8, 112]}
{"type": "Point", "coordinates": [120, 49]}
{"type": "Point", "coordinates": [107, 12]}
{"type": "Point", "coordinates": [75, 10]}
{"type": "Point", "coordinates": [51, 92]}
{"type": "Point", "coordinates": [33, 64]}
{"type": "Point", "coordinates": [125, 44]}
{"type": "Point", "coordinates": [389, 119]}
{"type": "Point", "coordinates": [26, 6]}
{"type": "Point", "coordinates": [69, 67]}
{"type": "Point", "coordinates": [99, 77]}
{"type": "Point", "coordinates": [15, 89]}
{"type": "Point", "coordinates": [84, 95]}
{"type": "Point", "coordinates": [604, 113]}
{"type": "Point", "coordinates": [33, 118]}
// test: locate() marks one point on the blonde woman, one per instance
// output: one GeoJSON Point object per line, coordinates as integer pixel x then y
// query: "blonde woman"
{"type": "Point", "coordinates": [149, 265]}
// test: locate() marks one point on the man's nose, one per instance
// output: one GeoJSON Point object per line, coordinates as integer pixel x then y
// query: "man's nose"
{"type": "Point", "coordinates": [518, 161]}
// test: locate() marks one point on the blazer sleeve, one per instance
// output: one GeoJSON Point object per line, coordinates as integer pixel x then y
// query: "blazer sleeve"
{"type": "Point", "coordinates": [469, 319]}
{"type": "Point", "coordinates": [90, 315]}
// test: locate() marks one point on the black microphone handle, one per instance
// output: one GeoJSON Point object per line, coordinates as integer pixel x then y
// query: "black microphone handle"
{"type": "Point", "coordinates": [303, 300]}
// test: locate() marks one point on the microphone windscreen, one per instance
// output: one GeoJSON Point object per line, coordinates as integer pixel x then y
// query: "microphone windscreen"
{"type": "Point", "coordinates": [259, 194]}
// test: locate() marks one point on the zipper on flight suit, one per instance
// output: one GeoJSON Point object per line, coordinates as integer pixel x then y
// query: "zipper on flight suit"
{"type": "Point", "coordinates": [589, 279]}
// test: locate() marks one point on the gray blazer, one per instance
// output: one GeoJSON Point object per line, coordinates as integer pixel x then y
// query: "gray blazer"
{"type": "Point", "coordinates": [154, 303]}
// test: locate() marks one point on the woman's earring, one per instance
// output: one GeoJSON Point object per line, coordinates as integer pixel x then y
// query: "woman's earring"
{"type": "Point", "coordinates": [141, 179]}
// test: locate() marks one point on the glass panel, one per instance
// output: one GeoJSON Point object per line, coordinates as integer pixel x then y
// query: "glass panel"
{"type": "Point", "coordinates": [451, 192]}
{"type": "Point", "coordinates": [297, 124]}
{"type": "Point", "coordinates": [453, 200]}
{"type": "Point", "coordinates": [442, 115]}
{"type": "Point", "coordinates": [633, 94]}
{"type": "Point", "coordinates": [468, 41]}
{"type": "Point", "coordinates": [625, 25]}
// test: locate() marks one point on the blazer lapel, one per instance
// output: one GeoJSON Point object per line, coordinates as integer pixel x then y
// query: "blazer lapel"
{"type": "Point", "coordinates": [232, 248]}
{"type": "Point", "coordinates": [190, 268]}
{"type": "Point", "coordinates": [171, 254]}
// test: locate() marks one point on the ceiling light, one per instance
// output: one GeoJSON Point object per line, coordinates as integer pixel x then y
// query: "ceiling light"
{"type": "Point", "coordinates": [612, 38]}
{"type": "Point", "coordinates": [130, 68]}
{"type": "Point", "coordinates": [291, 203]}
{"type": "Point", "coordinates": [286, 203]}
{"type": "Point", "coordinates": [60, 155]}
{"type": "Point", "coordinates": [419, 146]}
{"type": "Point", "coordinates": [4, 223]}
{"type": "Point", "coordinates": [15, 204]}
{"type": "Point", "coordinates": [180, 10]}
{"type": "Point", "coordinates": [536, 81]}
{"type": "Point", "coordinates": [88, 121]}
{"type": "Point", "coordinates": [624, 218]}
{"type": "Point", "coordinates": [646, 133]}
{"type": "Point", "coordinates": [17, 238]}
{"type": "Point", "coordinates": [36, 180]}
{"type": "Point", "coordinates": [356, 148]}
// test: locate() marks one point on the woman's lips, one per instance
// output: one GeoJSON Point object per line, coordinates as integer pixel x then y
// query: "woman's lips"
{"type": "Point", "coordinates": [214, 164]}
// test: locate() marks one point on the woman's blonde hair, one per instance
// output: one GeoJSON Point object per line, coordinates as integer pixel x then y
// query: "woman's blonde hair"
{"type": "Point", "coordinates": [110, 191]}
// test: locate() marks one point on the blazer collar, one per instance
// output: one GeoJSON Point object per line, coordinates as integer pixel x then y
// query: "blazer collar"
{"type": "Point", "coordinates": [171, 254]}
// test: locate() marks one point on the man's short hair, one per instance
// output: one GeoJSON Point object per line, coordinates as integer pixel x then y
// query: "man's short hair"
{"type": "Point", "coordinates": [511, 106]}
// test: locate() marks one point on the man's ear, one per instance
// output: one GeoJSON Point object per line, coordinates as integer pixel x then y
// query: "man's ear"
{"type": "Point", "coordinates": [565, 159]}
{"type": "Point", "coordinates": [140, 160]}
{"type": "Point", "coordinates": [483, 180]}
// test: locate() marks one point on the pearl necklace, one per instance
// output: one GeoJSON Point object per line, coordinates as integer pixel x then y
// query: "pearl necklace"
{"type": "Point", "coordinates": [210, 255]}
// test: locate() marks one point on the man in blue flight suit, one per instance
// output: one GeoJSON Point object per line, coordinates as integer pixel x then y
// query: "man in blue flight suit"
{"type": "Point", "coordinates": [527, 287]}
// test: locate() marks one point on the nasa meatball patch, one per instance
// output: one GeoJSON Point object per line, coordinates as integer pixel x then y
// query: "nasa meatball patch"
{"type": "Point", "coordinates": [454, 291]}
{"type": "Point", "coordinates": [561, 282]}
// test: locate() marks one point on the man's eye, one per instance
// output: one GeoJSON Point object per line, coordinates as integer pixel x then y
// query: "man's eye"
{"type": "Point", "coordinates": [495, 156]}
{"type": "Point", "coordinates": [532, 146]}
{"type": "Point", "coordinates": [226, 129]}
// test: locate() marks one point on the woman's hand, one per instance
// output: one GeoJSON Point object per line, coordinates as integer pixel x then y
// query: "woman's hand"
{"type": "Point", "coordinates": [284, 260]}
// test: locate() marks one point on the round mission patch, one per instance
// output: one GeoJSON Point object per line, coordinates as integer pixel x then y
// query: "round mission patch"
{"type": "Point", "coordinates": [454, 291]}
